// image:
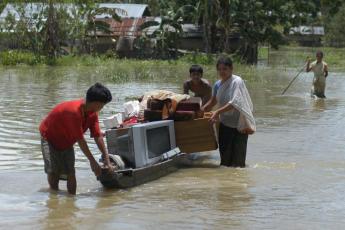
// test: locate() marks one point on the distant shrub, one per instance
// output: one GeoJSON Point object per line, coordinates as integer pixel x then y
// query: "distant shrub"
{"type": "Point", "coordinates": [14, 57]}
{"type": "Point", "coordinates": [199, 58]}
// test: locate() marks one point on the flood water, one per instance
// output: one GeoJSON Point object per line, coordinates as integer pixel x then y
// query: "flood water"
{"type": "Point", "coordinates": [294, 179]}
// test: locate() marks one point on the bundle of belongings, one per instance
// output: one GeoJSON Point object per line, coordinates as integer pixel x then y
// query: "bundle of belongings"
{"type": "Point", "coordinates": [163, 104]}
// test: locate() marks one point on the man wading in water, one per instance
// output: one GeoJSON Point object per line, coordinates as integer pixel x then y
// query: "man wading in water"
{"type": "Point", "coordinates": [320, 70]}
{"type": "Point", "coordinates": [63, 127]}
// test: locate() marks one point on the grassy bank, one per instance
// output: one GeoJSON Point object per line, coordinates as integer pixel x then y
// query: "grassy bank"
{"type": "Point", "coordinates": [294, 56]}
{"type": "Point", "coordinates": [124, 70]}
{"type": "Point", "coordinates": [285, 56]}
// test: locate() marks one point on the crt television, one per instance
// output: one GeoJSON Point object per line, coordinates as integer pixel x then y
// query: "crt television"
{"type": "Point", "coordinates": [142, 144]}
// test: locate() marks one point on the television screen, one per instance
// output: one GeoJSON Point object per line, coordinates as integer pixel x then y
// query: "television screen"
{"type": "Point", "coordinates": [158, 141]}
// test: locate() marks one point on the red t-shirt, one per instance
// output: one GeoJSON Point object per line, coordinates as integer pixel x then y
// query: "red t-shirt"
{"type": "Point", "coordinates": [65, 124]}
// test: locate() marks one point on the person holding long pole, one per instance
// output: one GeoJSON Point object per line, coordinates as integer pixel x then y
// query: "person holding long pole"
{"type": "Point", "coordinates": [320, 69]}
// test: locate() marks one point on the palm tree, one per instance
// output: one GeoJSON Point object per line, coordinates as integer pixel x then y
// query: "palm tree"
{"type": "Point", "coordinates": [208, 11]}
{"type": "Point", "coordinates": [166, 31]}
{"type": "Point", "coordinates": [92, 26]}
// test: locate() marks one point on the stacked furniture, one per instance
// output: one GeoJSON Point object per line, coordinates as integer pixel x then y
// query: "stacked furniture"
{"type": "Point", "coordinates": [185, 110]}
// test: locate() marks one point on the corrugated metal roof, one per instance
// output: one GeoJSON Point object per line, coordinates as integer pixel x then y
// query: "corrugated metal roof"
{"type": "Point", "coordinates": [189, 30]}
{"type": "Point", "coordinates": [131, 27]}
{"type": "Point", "coordinates": [308, 30]}
{"type": "Point", "coordinates": [127, 27]}
{"type": "Point", "coordinates": [133, 10]}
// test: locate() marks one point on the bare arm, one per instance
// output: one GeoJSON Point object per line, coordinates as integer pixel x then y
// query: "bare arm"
{"type": "Point", "coordinates": [93, 163]}
{"type": "Point", "coordinates": [223, 109]}
{"type": "Point", "coordinates": [325, 69]}
{"type": "Point", "coordinates": [212, 102]}
{"type": "Point", "coordinates": [308, 66]}
{"type": "Point", "coordinates": [101, 146]}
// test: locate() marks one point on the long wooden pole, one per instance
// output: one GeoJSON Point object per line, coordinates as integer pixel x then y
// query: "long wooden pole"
{"type": "Point", "coordinates": [294, 79]}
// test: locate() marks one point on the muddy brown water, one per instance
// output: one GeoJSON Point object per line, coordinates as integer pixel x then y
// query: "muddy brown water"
{"type": "Point", "coordinates": [294, 179]}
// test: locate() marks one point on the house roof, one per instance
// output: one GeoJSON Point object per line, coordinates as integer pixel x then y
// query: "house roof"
{"type": "Point", "coordinates": [189, 30]}
{"type": "Point", "coordinates": [131, 27]}
{"type": "Point", "coordinates": [308, 30]}
{"type": "Point", "coordinates": [133, 10]}
{"type": "Point", "coordinates": [127, 27]}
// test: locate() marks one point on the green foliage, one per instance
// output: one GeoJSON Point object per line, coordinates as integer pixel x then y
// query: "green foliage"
{"type": "Point", "coordinates": [329, 8]}
{"type": "Point", "coordinates": [336, 29]}
{"type": "Point", "coordinates": [15, 57]}
{"type": "Point", "coordinates": [167, 33]}
{"type": "Point", "coordinates": [254, 21]}
{"type": "Point", "coordinates": [199, 58]}
{"type": "Point", "coordinates": [52, 26]}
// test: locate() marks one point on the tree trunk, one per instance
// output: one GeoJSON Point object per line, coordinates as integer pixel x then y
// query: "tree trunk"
{"type": "Point", "coordinates": [51, 45]}
{"type": "Point", "coordinates": [206, 36]}
{"type": "Point", "coordinates": [226, 42]}
{"type": "Point", "coordinates": [213, 38]}
{"type": "Point", "coordinates": [249, 53]}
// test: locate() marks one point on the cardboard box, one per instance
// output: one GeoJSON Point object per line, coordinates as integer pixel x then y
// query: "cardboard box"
{"type": "Point", "coordinates": [195, 136]}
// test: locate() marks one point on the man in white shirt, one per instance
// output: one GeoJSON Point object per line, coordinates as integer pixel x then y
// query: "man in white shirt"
{"type": "Point", "coordinates": [320, 69]}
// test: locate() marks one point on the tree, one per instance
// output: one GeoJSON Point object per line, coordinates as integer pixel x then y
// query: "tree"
{"type": "Point", "coordinates": [84, 26]}
{"type": "Point", "coordinates": [168, 30]}
{"type": "Point", "coordinates": [51, 43]}
{"type": "Point", "coordinates": [259, 21]}
{"type": "Point", "coordinates": [207, 14]}
{"type": "Point", "coordinates": [336, 29]}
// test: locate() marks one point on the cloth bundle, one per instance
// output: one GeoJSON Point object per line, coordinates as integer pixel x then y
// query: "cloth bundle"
{"type": "Point", "coordinates": [238, 96]}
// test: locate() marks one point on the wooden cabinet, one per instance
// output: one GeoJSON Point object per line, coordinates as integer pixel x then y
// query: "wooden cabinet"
{"type": "Point", "coordinates": [195, 136]}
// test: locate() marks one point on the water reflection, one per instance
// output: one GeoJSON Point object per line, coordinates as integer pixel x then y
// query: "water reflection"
{"type": "Point", "coordinates": [319, 104]}
{"type": "Point", "coordinates": [62, 212]}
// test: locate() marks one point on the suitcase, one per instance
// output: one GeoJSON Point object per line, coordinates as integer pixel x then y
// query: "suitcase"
{"type": "Point", "coordinates": [191, 104]}
{"type": "Point", "coordinates": [155, 104]}
{"type": "Point", "coordinates": [152, 115]}
{"type": "Point", "coordinates": [184, 115]}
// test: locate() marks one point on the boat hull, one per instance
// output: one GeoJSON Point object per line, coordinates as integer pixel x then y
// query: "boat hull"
{"type": "Point", "coordinates": [127, 178]}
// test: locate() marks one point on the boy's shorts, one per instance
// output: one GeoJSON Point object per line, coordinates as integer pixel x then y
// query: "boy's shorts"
{"type": "Point", "coordinates": [57, 162]}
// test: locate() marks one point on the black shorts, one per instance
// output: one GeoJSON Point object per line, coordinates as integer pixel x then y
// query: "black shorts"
{"type": "Point", "coordinates": [57, 162]}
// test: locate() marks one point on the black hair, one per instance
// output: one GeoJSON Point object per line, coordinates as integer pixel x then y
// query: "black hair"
{"type": "Point", "coordinates": [196, 69]}
{"type": "Point", "coordinates": [225, 61]}
{"type": "Point", "coordinates": [98, 93]}
{"type": "Point", "coordinates": [319, 52]}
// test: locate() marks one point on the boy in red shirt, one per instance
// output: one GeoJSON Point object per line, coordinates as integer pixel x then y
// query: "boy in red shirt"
{"type": "Point", "coordinates": [63, 127]}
